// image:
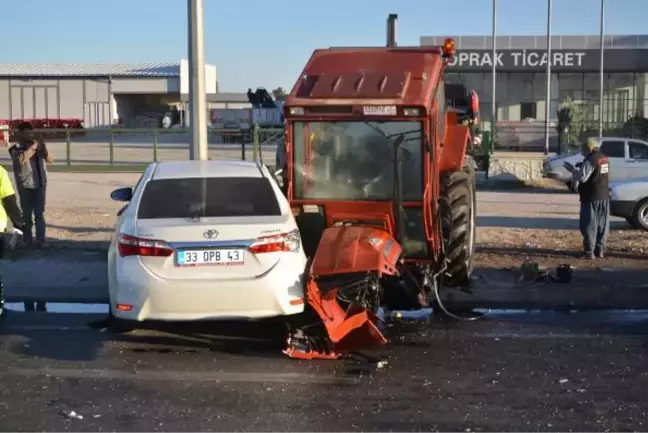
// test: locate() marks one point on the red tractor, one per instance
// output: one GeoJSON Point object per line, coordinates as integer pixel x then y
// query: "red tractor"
{"type": "Point", "coordinates": [383, 190]}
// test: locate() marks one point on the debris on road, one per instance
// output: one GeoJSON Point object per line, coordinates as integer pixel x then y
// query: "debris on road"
{"type": "Point", "coordinates": [563, 381]}
{"type": "Point", "coordinates": [73, 415]}
{"type": "Point", "coordinates": [564, 273]}
{"type": "Point", "coordinates": [532, 272]}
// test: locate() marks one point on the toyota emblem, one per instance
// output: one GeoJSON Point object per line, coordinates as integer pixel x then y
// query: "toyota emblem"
{"type": "Point", "coordinates": [210, 234]}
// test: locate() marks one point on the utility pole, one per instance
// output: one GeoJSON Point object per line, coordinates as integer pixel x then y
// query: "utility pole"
{"type": "Point", "coordinates": [549, 59]}
{"type": "Point", "coordinates": [197, 97]}
{"type": "Point", "coordinates": [602, 75]}
{"type": "Point", "coordinates": [494, 74]}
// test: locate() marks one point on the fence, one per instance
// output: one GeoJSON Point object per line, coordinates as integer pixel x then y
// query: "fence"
{"type": "Point", "coordinates": [122, 146]}
{"type": "Point", "coordinates": [529, 136]}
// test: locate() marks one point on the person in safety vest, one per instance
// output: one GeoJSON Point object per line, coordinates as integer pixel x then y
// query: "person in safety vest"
{"type": "Point", "coordinates": [592, 178]}
{"type": "Point", "coordinates": [8, 211]}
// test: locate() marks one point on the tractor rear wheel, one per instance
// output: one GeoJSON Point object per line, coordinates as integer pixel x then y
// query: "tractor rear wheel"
{"type": "Point", "coordinates": [459, 224]}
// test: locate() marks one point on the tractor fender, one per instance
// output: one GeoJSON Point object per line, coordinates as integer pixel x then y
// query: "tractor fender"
{"type": "Point", "coordinates": [455, 145]}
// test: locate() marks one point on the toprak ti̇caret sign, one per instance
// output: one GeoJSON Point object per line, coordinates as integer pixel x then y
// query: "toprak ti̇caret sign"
{"type": "Point", "coordinates": [615, 60]}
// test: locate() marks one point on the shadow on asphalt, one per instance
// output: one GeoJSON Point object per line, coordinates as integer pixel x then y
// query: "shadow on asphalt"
{"type": "Point", "coordinates": [543, 253]}
{"type": "Point", "coordinates": [76, 229]}
{"type": "Point", "coordinates": [81, 337]}
{"type": "Point", "coordinates": [76, 338]}
{"type": "Point", "coordinates": [542, 223]}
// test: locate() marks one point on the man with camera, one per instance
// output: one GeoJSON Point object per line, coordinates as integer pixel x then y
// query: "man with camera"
{"type": "Point", "coordinates": [29, 157]}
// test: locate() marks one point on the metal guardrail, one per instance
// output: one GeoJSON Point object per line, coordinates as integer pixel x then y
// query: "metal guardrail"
{"type": "Point", "coordinates": [117, 146]}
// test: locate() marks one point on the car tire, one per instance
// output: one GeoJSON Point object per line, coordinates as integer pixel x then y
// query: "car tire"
{"type": "Point", "coordinates": [459, 225]}
{"type": "Point", "coordinates": [640, 215]}
{"type": "Point", "coordinates": [631, 221]}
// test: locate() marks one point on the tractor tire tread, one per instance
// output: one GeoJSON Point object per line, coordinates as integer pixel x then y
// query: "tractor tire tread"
{"type": "Point", "coordinates": [459, 188]}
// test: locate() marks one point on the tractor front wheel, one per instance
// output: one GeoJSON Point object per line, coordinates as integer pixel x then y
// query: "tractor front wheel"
{"type": "Point", "coordinates": [459, 224]}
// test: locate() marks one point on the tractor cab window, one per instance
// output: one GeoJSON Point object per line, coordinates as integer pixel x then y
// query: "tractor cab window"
{"type": "Point", "coordinates": [354, 160]}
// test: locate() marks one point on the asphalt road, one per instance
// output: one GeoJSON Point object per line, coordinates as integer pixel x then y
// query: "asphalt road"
{"type": "Point", "coordinates": [522, 372]}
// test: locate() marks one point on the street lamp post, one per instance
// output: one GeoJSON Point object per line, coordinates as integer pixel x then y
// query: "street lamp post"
{"type": "Point", "coordinates": [197, 97]}
{"type": "Point", "coordinates": [494, 76]}
{"type": "Point", "coordinates": [549, 59]}
{"type": "Point", "coordinates": [602, 75]}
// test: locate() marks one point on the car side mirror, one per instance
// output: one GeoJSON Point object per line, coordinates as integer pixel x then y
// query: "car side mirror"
{"type": "Point", "coordinates": [122, 194]}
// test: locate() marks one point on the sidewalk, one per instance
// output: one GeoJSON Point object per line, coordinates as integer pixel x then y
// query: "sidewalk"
{"type": "Point", "coordinates": [65, 277]}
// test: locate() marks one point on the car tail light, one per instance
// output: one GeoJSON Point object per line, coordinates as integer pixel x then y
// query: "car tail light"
{"type": "Point", "coordinates": [133, 246]}
{"type": "Point", "coordinates": [285, 242]}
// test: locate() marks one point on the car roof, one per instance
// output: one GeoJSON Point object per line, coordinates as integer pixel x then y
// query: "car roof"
{"type": "Point", "coordinates": [211, 168]}
{"type": "Point", "coordinates": [599, 139]}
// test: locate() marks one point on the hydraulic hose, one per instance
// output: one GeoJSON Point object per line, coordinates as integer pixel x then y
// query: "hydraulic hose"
{"type": "Point", "coordinates": [433, 280]}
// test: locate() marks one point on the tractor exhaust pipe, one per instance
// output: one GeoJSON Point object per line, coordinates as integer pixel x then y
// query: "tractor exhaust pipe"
{"type": "Point", "coordinates": [392, 20]}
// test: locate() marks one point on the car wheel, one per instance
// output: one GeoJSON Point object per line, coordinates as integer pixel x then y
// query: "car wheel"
{"type": "Point", "coordinates": [640, 215]}
{"type": "Point", "coordinates": [631, 221]}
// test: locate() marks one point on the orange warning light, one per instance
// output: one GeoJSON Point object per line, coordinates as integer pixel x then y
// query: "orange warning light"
{"type": "Point", "coordinates": [448, 48]}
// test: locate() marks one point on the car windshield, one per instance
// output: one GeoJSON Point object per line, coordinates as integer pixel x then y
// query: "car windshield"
{"type": "Point", "coordinates": [353, 160]}
{"type": "Point", "coordinates": [208, 197]}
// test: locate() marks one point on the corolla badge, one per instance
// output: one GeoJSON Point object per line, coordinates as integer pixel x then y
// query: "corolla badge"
{"type": "Point", "coordinates": [210, 234]}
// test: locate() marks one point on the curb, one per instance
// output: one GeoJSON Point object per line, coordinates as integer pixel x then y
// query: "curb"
{"type": "Point", "coordinates": [564, 306]}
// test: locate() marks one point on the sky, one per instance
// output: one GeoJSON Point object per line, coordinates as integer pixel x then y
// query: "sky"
{"type": "Point", "coordinates": [266, 43]}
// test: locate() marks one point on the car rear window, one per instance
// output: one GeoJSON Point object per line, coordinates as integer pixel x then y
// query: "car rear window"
{"type": "Point", "coordinates": [208, 197]}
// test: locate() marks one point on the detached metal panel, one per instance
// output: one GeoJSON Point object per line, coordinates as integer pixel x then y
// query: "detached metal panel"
{"type": "Point", "coordinates": [28, 102]}
{"type": "Point", "coordinates": [71, 98]}
{"type": "Point", "coordinates": [16, 108]}
{"type": "Point", "coordinates": [52, 102]}
{"type": "Point", "coordinates": [145, 85]}
{"type": "Point", "coordinates": [96, 107]}
{"type": "Point", "coordinates": [5, 100]}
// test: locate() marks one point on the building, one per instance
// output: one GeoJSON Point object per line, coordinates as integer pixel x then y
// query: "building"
{"type": "Point", "coordinates": [521, 76]}
{"type": "Point", "coordinates": [137, 95]}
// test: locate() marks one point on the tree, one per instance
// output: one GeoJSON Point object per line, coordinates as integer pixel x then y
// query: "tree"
{"type": "Point", "coordinates": [570, 123]}
{"type": "Point", "coordinates": [279, 94]}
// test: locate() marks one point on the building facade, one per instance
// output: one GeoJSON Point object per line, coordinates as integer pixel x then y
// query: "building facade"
{"type": "Point", "coordinates": [521, 84]}
{"type": "Point", "coordinates": [134, 95]}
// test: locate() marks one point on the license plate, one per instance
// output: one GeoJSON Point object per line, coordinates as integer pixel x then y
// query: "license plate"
{"type": "Point", "coordinates": [210, 257]}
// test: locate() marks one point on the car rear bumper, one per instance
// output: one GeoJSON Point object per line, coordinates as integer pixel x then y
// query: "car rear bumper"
{"type": "Point", "coordinates": [277, 293]}
{"type": "Point", "coordinates": [621, 209]}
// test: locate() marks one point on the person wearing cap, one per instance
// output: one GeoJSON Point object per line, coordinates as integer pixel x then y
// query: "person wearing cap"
{"type": "Point", "coordinates": [592, 178]}
{"type": "Point", "coordinates": [9, 210]}
{"type": "Point", "coordinates": [30, 157]}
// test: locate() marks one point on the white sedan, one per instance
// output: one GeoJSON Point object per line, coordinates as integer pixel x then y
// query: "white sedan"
{"type": "Point", "coordinates": [201, 240]}
{"type": "Point", "coordinates": [629, 200]}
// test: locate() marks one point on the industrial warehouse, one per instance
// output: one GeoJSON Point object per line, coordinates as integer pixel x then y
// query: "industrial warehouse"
{"type": "Point", "coordinates": [521, 83]}
{"type": "Point", "coordinates": [131, 95]}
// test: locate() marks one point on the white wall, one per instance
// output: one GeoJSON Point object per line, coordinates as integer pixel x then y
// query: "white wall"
{"type": "Point", "coordinates": [210, 78]}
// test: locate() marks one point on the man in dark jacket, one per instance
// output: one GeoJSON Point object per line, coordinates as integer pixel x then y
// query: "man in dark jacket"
{"type": "Point", "coordinates": [30, 157]}
{"type": "Point", "coordinates": [594, 199]}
